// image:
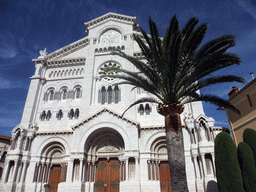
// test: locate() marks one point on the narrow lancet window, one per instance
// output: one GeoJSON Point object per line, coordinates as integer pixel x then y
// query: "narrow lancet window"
{"type": "Point", "coordinates": [147, 109]}
{"type": "Point", "coordinates": [141, 109]}
{"type": "Point", "coordinates": [103, 95]}
{"type": "Point", "coordinates": [117, 94]}
{"type": "Point", "coordinates": [109, 94]}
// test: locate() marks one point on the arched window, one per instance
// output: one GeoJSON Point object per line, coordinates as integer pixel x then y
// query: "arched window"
{"type": "Point", "coordinates": [147, 109]}
{"type": "Point", "coordinates": [51, 94]}
{"type": "Point", "coordinates": [117, 94]}
{"type": "Point", "coordinates": [43, 116]}
{"type": "Point", "coordinates": [110, 92]}
{"type": "Point", "coordinates": [3, 157]}
{"type": "Point", "coordinates": [71, 114]}
{"type": "Point", "coordinates": [208, 163]}
{"type": "Point", "coordinates": [141, 109]}
{"type": "Point", "coordinates": [40, 71]}
{"type": "Point", "coordinates": [78, 92]}
{"type": "Point", "coordinates": [64, 93]}
{"type": "Point", "coordinates": [1, 172]}
{"type": "Point", "coordinates": [103, 95]}
{"type": "Point", "coordinates": [48, 115]}
{"type": "Point", "coordinates": [77, 113]}
{"type": "Point", "coordinates": [59, 114]}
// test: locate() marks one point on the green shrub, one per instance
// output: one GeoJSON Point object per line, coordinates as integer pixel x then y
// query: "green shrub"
{"type": "Point", "coordinates": [247, 166]}
{"type": "Point", "coordinates": [227, 167]}
{"type": "Point", "coordinates": [249, 137]}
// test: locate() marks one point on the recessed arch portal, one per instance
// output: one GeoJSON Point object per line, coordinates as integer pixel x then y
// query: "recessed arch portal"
{"type": "Point", "coordinates": [104, 142]}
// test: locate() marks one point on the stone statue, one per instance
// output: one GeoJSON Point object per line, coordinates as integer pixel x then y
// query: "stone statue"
{"type": "Point", "coordinates": [42, 53]}
{"type": "Point", "coordinates": [202, 132]}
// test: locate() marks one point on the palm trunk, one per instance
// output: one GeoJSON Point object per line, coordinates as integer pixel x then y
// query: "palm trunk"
{"type": "Point", "coordinates": [175, 146]}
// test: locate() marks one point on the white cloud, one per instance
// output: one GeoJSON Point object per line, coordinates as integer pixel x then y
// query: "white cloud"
{"type": "Point", "coordinates": [7, 51]}
{"type": "Point", "coordinates": [7, 84]}
{"type": "Point", "coordinates": [7, 46]}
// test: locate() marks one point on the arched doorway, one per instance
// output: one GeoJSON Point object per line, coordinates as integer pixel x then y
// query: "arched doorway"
{"type": "Point", "coordinates": [159, 168]}
{"type": "Point", "coordinates": [104, 148]}
{"type": "Point", "coordinates": [51, 169]}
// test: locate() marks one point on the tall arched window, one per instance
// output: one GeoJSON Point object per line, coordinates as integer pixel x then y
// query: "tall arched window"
{"type": "Point", "coordinates": [71, 114]}
{"type": "Point", "coordinates": [59, 114]}
{"type": "Point", "coordinates": [3, 157]}
{"type": "Point", "coordinates": [141, 109]}
{"type": "Point", "coordinates": [110, 94]}
{"type": "Point", "coordinates": [78, 92]}
{"type": "Point", "coordinates": [51, 94]}
{"type": "Point", "coordinates": [48, 115]}
{"type": "Point", "coordinates": [147, 109]}
{"type": "Point", "coordinates": [64, 93]}
{"type": "Point", "coordinates": [117, 94]}
{"type": "Point", "coordinates": [43, 116]}
{"type": "Point", "coordinates": [77, 113]}
{"type": "Point", "coordinates": [103, 95]}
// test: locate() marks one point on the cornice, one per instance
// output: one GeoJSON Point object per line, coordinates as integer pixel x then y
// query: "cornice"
{"type": "Point", "coordinates": [55, 133]}
{"type": "Point", "coordinates": [63, 51]}
{"type": "Point", "coordinates": [111, 16]}
{"type": "Point", "coordinates": [153, 128]}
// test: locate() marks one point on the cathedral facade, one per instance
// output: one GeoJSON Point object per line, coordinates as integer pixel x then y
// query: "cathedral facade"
{"type": "Point", "coordinates": [72, 136]}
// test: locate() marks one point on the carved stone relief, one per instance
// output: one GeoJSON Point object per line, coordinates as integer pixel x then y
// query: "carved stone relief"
{"type": "Point", "coordinates": [110, 36]}
{"type": "Point", "coordinates": [108, 146]}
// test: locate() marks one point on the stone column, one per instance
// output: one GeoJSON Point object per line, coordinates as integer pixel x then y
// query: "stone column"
{"type": "Point", "coordinates": [25, 166]}
{"type": "Point", "coordinates": [5, 172]}
{"type": "Point", "coordinates": [195, 167]}
{"type": "Point", "coordinates": [70, 171]}
{"type": "Point", "coordinates": [127, 168]}
{"type": "Point", "coordinates": [19, 172]}
{"type": "Point", "coordinates": [49, 172]}
{"type": "Point", "coordinates": [15, 170]}
{"type": "Point", "coordinates": [149, 170]}
{"type": "Point", "coordinates": [137, 172]}
{"type": "Point", "coordinates": [89, 172]}
{"type": "Point", "coordinates": [157, 170]}
{"type": "Point", "coordinates": [121, 171]}
{"type": "Point", "coordinates": [204, 165]}
{"type": "Point", "coordinates": [81, 170]}
{"type": "Point", "coordinates": [213, 163]}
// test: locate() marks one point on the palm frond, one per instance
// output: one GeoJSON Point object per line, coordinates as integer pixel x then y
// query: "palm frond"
{"type": "Point", "coordinates": [215, 100]}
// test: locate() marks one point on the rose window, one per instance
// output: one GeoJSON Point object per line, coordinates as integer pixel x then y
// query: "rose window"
{"type": "Point", "coordinates": [107, 65]}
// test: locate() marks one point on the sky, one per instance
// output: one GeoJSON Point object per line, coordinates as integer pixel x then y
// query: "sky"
{"type": "Point", "coordinates": [26, 27]}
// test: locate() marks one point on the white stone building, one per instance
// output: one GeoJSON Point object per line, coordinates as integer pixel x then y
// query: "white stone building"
{"type": "Point", "coordinates": [72, 136]}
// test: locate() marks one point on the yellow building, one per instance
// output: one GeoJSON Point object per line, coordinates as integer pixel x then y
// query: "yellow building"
{"type": "Point", "coordinates": [245, 101]}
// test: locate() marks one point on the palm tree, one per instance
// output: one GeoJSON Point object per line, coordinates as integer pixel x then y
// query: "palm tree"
{"type": "Point", "coordinates": [175, 70]}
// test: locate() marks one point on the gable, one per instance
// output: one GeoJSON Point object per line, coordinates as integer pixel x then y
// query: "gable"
{"type": "Point", "coordinates": [103, 112]}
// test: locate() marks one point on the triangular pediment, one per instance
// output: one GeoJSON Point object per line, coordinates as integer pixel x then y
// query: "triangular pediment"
{"type": "Point", "coordinates": [105, 110]}
{"type": "Point", "coordinates": [111, 17]}
{"type": "Point", "coordinates": [56, 58]}
{"type": "Point", "coordinates": [205, 118]}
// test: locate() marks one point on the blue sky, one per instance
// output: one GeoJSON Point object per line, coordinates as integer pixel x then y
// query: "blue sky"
{"type": "Point", "coordinates": [32, 25]}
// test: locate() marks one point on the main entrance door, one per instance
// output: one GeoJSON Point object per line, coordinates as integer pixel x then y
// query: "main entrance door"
{"type": "Point", "coordinates": [107, 175]}
{"type": "Point", "coordinates": [165, 177]}
{"type": "Point", "coordinates": [54, 178]}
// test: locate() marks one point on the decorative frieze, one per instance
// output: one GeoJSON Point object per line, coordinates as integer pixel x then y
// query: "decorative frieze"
{"type": "Point", "coordinates": [66, 62]}
{"type": "Point", "coordinates": [55, 133]}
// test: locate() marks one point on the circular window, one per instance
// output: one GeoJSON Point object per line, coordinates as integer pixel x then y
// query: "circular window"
{"type": "Point", "coordinates": [106, 65]}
